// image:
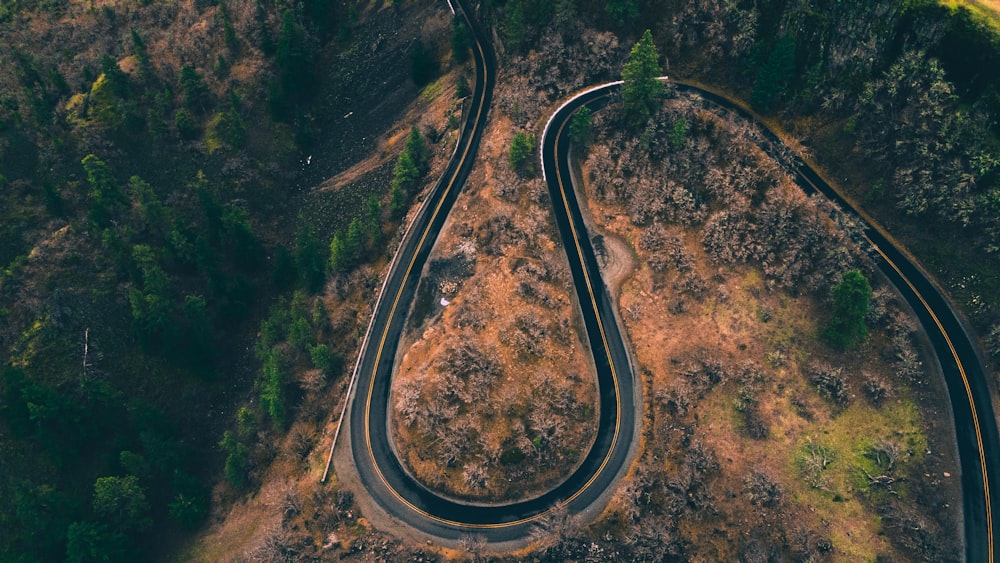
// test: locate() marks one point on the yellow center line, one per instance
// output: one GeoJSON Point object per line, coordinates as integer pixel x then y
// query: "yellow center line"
{"type": "Point", "coordinates": [961, 371]}
{"type": "Point", "coordinates": [597, 315]}
{"type": "Point", "coordinates": [392, 311]}
{"type": "Point", "coordinates": [968, 392]}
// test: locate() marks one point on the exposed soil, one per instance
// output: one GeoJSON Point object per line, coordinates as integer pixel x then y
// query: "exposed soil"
{"type": "Point", "coordinates": [292, 512]}
{"type": "Point", "coordinates": [494, 390]}
{"type": "Point", "coordinates": [731, 361]}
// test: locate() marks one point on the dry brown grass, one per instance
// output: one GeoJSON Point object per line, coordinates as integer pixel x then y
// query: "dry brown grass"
{"type": "Point", "coordinates": [744, 319]}
{"type": "Point", "coordinates": [532, 370]}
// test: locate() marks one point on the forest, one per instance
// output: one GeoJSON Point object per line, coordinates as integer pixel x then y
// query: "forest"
{"type": "Point", "coordinates": [181, 292]}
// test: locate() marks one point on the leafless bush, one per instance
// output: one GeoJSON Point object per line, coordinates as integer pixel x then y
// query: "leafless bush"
{"type": "Point", "coordinates": [301, 444]}
{"type": "Point", "coordinates": [496, 233]}
{"type": "Point", "coordinates": [474, 475]}
{"type": "Point", "coordinates": [473, 544]}
{"type": "Point", "coordinates": [830, 382]}
{"type": "Point", "coordinates": [408, 405]}
{"type": "Point", "coordinates": [922, 538]}
{"type": "Point", "coordinates": [877, 390]}
{"type": "Point", "coordinates": [468, 371]}
{"type": "Point", "coordinates": [761, 490]}
{"type": "Point", "coordinates": [291, 505]}
{"type": "Point", "coordinates": [813, 461]}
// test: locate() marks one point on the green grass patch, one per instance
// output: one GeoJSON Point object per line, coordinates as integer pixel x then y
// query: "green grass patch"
{"type": "Point", "coordinates": [848, 442]}
{"type": "Point", "coordinates": [984, 12]}
{"type": "Point", "coordinates": [433, 90]}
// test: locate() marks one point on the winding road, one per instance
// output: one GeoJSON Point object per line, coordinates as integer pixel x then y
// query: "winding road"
{"type": "Point", "coordinates": [377, 466]}
{"type": "Point", "coordinates": [367, 414]}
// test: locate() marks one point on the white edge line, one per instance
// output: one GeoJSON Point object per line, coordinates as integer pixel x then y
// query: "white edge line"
{"type": "Point", "coordinates": [371, 321]}
{"type": "Point", "coordinates": [548, 124]}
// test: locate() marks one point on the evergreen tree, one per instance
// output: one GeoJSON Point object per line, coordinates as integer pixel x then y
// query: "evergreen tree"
{"type": "Point", "coordinates": [773, 77]}
{"type": "Point", "coordinates": [191, 499]}
{"type": "Point", "coordinates": [117, 79]}
{"type": "Point", "coordinates": [418, 150]}
{"type": "Point", "coordinates": [293, 57]}
{"type": "Point", "coordinates": [406, 174]}
{"type": "Point", "coordinates": [272, 388]}
{"type": "Point", "coordinates": [310, 257]}
{"type": "Point", "coordinates": [237, 460]}
{"type": "Point", "coordinates": [622, 12]}
{"type": "Point", "coordinates": [105, 195]}
{"type": "Point", "coordinates": [356, 241]}
{"type": "Point", "coordinates": [579, 127]}
{"type": "Point", "coordinates": [121, 502]}
{"type": "Point", "coordinates": [339, 261]}
{"type": "Point", "coordinates": [515, 28]}
{"type": "Point", "coordinates": [398, 201]}
{"type": "Point", "coordinates": [678, 134]}
{"type": "Point", "coordinates": [151, 211]}
{"type": "Point", "coordinates": [850, 306]}
{"type": "Point", "coordinates": [284, 273]}
{"type": "Point", "coordinates": [91, 542]}
{"type": "Point", "coordinates": [521, 155]}
{"type": "Point", "coordinates": [152, 304]}
{"type": "Point", "coordinates": [142, 56]}
{"type": "Point", "coordinates": [197, 97]}
{"type": "Point", "coordinates": [185, 124]}
{"type": "Point", "coordinates": [461, 40]}
{"type": "Point", "coordinates": [423, 64]}
{"type": "Point", "coordinates": [641, 89]}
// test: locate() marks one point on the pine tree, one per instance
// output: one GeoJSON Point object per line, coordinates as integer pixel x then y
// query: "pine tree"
{"type": "Point", "coordinates": [622, 12]}
{"type": "Point", "coordinates": [521, 156]}
{"type": "Point", "coordinates": [579, 127]}
{"type": "Point", "coordinates": [641, 90]}
{"type": "Point", "coordinates": [417, 148]}
{"type": "Point", "coordinates": [272, 388]}
{"type": "Point", "coordinates": [461, 41]}
{"type": "Point", "coordinates": [773, 77]}
{"type": "Point", "coordinates": [196, 94]}
{"type": "Point", "coordinates": [339, 261]}
{"type": "Point", "coordinates": [406, 174]}
{"type": "Point", "coordinates": [850, 306]}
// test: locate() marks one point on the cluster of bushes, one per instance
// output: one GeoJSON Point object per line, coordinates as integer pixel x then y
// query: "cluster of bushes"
{"type": "Point", "coordinates": [449, 428]}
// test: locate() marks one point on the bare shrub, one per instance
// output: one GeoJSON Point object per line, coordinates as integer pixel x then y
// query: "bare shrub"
{"type": "Point", "coordinates": [761, 490]}
{"type": "Point", "coordinates": [813, 461]}
{"type": "Point", "coordinates": [876, 389]}
{"type": "Point", "coordinates": [830, 382]}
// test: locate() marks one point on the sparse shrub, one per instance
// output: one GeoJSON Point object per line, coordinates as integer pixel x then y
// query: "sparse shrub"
{"type": "Point", "coordinates": [830, 382]}
{"type": "Point", "coordinates": [876, 389]}
{"type": "Point", "coordinates": [761, 490]}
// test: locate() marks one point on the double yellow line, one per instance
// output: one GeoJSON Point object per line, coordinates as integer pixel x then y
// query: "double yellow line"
{"type": "Point", "coordinates": [961, 371]}
{"type": "Point", "coordinates": [392, 312]}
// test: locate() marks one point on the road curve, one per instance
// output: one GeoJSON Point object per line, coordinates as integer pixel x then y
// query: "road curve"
{"type": "Point", "coordinates": [409, 502]}
{"type": "Point", "coordinates": [964, 373]}
{"type": "Point", "coordinates": [377, 466]}
{"type": "Point", "coordinates": [956, 350]}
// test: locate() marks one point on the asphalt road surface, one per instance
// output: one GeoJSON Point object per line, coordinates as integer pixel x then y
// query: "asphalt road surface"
{"type": "Point", "coordinates": [411, 503]}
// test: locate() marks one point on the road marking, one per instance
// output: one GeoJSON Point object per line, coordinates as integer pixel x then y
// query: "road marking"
{"type": "Point", "coordinates": [593, 298]}
{"type": "Point", "coordinates": [961, 371]}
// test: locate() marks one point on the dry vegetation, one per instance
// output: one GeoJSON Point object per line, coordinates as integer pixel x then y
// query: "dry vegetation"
{"type": "Point", "coordinates": [494, 398]}
{"type": "Point", "coordinates": [759, 441]}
